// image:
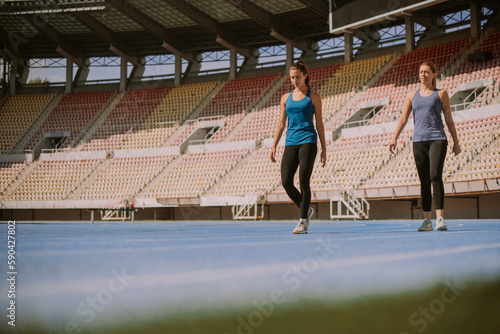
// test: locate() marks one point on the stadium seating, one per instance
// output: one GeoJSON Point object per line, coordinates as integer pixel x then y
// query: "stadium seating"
{"type": "Point", "coordinates": [353, 76]}
{"type": "Point", "coordinates": [480, 157]}
{"type": "Point", "coordinates": [17, 114]}
{"type": "Point", "coordinates": [128, 114]}
{"type": "Point", "coordinates": [341, 87]}
{"type": "Point", "coordinates": [54, 179]}
{"type": "Point", "coordinates": [196, 173]}
{"type": "Point", "coordinates": [402, 77]}
{"type": "Point", "coordinates": [230, 104]}
{"type": "Point", "coordinates": [156, 117]}
{"type": "Point", "coordinates": [330, 82]}
{"type": "Point", "coordinates": [474, 135]}
{"type": "Point", "coordinates": [318, 77]}
{"type": "Point", "coordinates": [74, 114]}
{"type": "Point", "coordinates": [256, 173]}
{"type": "Point", "coordinates": [172, 111]}
{"type": "Point", "coordinates": [239, 95]}
{"type": "Point", "coordinates": [124, 177]}
{"type": "Point", "coordinates": [351, 161]}
{"type": "Point", "coordinates": [9, 172]}
{"type": "Point", "coordinates": [470, 71]}
{"type": "Point", "coordinates": [230, 123]}
{"type": "Point", "coordinates": [405, 70]}
{"type": "Point", "coordinates": [260, 124]}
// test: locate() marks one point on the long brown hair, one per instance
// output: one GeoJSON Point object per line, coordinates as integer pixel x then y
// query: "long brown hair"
{"type": "Point", "coordinates": [433, 68]}
{"type": "Point", "coordinates": [302, 67]}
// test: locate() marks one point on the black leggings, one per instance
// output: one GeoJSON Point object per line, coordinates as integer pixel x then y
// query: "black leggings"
{"type": "Point", "coordinates": [429, 158]}
{"type": "Point", "coordinates": [293, 157]}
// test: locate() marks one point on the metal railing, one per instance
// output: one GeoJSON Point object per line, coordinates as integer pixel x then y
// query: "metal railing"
{"type": "Point", "coordinates": [350, 201]}
{"type": "Point", "coordinates": [248, 206]}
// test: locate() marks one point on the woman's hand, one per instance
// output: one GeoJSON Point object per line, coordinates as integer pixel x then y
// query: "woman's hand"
{"type": "Point", "coordinates": [323, 157]}
{"type": "Point", "coordinates": [456, 149]}
{"type": "Point", "coordinates": [392, 146]}
{"type": "Point", "coordinates": [273, 153]}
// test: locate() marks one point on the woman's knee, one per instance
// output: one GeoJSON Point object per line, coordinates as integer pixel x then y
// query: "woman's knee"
{"type": "Point", "coordinates": [436, 176]}
{"type": "Point", "coordinates": [287, 183]}
{"type": "Point", "coordinates": [436, 180]}
{"type": "Point", "coordinates": [305, 184]}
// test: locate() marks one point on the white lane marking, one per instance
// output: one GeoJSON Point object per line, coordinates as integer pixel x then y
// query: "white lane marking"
{"type": "Point", "coordinates": [215, 275]}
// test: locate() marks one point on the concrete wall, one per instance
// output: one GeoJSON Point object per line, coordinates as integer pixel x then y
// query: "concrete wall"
{"type": "Point", "coordinates": [489, 206]}
{"type": "Point", "coordinates": [482, 206]}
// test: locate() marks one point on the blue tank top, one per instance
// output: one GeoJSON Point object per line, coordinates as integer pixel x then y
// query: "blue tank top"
{"type": "Point", "coordinates": [427, 117]}
{"type": "Point", "coordinates": [300, 121]}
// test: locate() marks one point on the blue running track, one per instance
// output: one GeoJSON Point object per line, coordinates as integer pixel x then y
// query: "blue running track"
{"type": "Point", "coordinates": [84, 276]}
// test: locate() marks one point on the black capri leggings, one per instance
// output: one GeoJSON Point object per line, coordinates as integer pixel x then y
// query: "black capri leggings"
{"type": "Point", "coordinates": [429, 158]}
{"type": "Point", "coordinates": [293, 157]}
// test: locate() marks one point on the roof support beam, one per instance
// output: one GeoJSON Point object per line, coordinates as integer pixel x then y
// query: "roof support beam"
{"type": "Point", "coordinates": [348, 41]}
{"type": "Point", "coordinates": [369, 36]}
{"type": "Point", "coordinates": [225, 37]}
{"type": "Point", "coordinates": [425, 21]}
{"type": "Point", "coordinates": [6, 50]}
{"type": "Point", "coordinates": [83, 72]}
{"type": "Point", "coordinates": [475, 18]}
{"type": "Point", "coordinates": [116, 45]}
{"type": "Point", "coordinates": [138, 69]}
{"type": "Point", "coordinates": [76, 60]}
{"type": "Point", "coordinates": [319, 6]}
{"type": "Point", "coordinates": [230, 46]}
{"type": "Point", "coordinates": [18, 74]}
{"type": "Point", "coordinates": [64, 47]}
{"type": "Point", "coordinates": [279, 30]}
{"type": "Point", "coordinates": [409, 34]}
{"type": "Point", "coordinates": [69, 76]}
{"type": "Point", "coordinates": [169, 40]}
{"type": "Point", "coordinates": [19, 68]}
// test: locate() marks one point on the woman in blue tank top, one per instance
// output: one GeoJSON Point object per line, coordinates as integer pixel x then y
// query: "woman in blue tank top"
{"type": "Point", "coordinates": [429, 140]}
{"type": "Point", "coordinates": [300, 106]}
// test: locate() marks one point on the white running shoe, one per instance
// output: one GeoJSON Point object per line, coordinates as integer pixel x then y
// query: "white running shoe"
{"type": "Point", "coordinates": [301, 227]}
{"type": "Point", "coordinates": [441, 224]}
{"type": "Point", "coordinates": [426, 225]}
{"type": "Point", "coordinates": [310, 213]}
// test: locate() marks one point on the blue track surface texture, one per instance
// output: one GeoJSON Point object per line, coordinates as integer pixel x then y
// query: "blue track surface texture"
{"type": "Point", "coordinates": [83, 276]}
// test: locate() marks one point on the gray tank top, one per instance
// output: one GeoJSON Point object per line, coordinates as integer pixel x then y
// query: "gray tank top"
{"type": "Point", "coordinates": [427, 117]}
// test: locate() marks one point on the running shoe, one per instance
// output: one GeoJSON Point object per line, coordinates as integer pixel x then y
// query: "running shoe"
{"type": "Point", "coordinates": [426, 225]}
{"type": "Point", "coordinates": [301, 227]}
{"type": "Point", "coordinates": [310, 213]}
{"type": "Point", "coordinates": [441, 224]}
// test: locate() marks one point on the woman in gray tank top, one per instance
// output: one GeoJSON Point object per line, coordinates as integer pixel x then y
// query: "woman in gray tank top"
{"type": "Point", "coordinates": [429, 140]}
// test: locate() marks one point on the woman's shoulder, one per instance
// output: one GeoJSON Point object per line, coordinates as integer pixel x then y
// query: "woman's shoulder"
{"type": "Point", "coordinates": [411, 93]}
{"type": "Point", "coordinates": [442, 92]}
{"type": "Point", "coordinates": [443, 95]}
{"type": "Point", "coordinates": [314, 95]}
{"type": "Point", "coordinates": [285, 96]}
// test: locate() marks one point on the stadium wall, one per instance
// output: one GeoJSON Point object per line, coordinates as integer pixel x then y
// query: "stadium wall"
{"type": "Point", "coordinates": [470, 206]}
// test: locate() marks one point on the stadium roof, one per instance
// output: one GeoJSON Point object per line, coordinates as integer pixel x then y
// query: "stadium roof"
{"type": "Point", "coordinates": [49, 29]}
{"type": "Point", "coordinates": [137, 28]}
